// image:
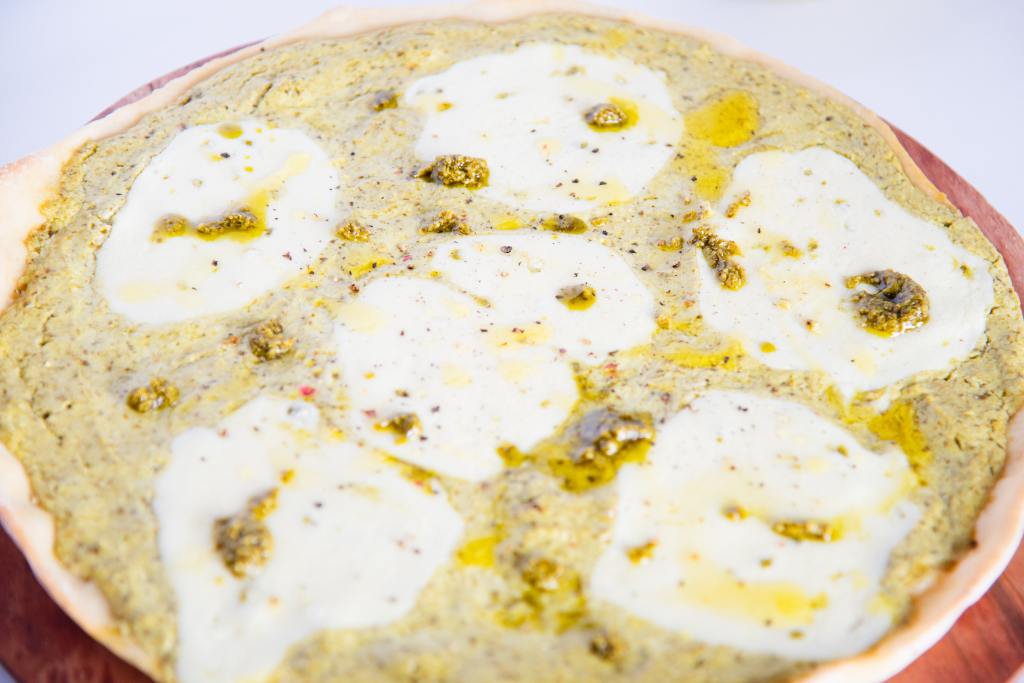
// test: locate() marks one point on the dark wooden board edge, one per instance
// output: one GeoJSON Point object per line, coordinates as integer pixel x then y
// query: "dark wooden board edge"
{"type": "Point", "coordinates": [41, 644]}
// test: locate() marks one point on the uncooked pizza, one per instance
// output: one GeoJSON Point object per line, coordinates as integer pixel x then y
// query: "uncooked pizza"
{"type": "Point", "coordinates": [499, 344]}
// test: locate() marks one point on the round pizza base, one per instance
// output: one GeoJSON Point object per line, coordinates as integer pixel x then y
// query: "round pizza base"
{"type": "Point", "coordinates": [26, 183]}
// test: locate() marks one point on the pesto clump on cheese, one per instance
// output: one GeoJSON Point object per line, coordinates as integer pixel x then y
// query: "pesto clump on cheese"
{"type": "Point", "coordinates": [243, 540]}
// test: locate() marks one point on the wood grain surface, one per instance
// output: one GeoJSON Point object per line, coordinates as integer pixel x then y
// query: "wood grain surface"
{"type": "Point", "coordinates": [40, 644]}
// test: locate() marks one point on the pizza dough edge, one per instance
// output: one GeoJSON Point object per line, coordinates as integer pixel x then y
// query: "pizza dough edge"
{"type": "Point", "coordinates": [25, 184]}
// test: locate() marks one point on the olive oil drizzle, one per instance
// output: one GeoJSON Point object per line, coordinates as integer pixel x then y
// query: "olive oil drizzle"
{"type": "Point", "coordinates": [242, 224]}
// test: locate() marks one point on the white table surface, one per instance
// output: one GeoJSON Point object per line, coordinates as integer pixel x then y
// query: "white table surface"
{"type": "Point", "coordinates": [946, 71]}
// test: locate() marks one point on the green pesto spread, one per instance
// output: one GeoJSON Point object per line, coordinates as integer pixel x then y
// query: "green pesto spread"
{"type": "Point", "coordinates": [74, 376]}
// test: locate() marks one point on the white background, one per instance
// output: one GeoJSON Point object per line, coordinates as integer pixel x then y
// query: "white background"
{"type": "Point", "coordinates": [949, 72]}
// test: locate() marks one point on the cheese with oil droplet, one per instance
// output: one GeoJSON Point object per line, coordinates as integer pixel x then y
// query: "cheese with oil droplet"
{"type": "Point", "coordinates": [201, 175]}
{"type": "Point", "coordinates": [721, 474]}
{"type": "Point", "coordinates": [487, 366]}
{"type": "Point", "coordinates": [841, 225]}
{"type": "Point", "coordinates": [354, 542]}
{"type": "Point", "coordinates": [409, 345]}
{"type": "Point", "coordinates": [523, 112]}
{"type": "Point", "coordinates": [521, 275]}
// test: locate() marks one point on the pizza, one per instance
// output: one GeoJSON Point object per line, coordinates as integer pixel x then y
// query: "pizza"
{"type": "Point", "coordinates": [509, 342]}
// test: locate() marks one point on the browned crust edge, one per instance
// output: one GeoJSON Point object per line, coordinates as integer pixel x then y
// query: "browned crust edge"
{"type": "Point", "coordinates": [26, 183]}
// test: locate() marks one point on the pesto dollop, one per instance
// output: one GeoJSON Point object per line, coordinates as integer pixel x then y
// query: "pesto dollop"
{"type": "Point", "coordinates": [457, 169]}
{"type": "Point", "coordinates": [268, 341]}
{"type": "Point", "coordinates": [353, 231]}
{"type": "Point", "coordinates": [807, 530]}
{"type": "Point", "coordinates": [385, 99]}
{"type": "Point", "coordinates": [447, 221]}
{"type": "Point", "coordinates": [400, 426]}
{"type": "Point", "coordinates": [599, 443]}
{"type": "Point", "coordinates": [719, 254]}
{"type": "Point", "coordinates": [606, 116]}
{"type": "Point", "coordinates": [577, 297]}
{"type": "Point", "coordinates": [156, 395]}
{"type": "Point", "coordinates": [243, 541]}
{"type": "Point", "coordinates": [242, 221]}
{"type": "Point", "coordinates": [550, 595]}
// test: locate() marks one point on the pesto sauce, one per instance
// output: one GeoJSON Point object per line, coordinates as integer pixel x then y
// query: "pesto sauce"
{"type": "Point", "coordinates": [895, 303]}
{"type": "Point", "coordinates": [268, 341]}
{"type": "Point", "coordinates": [158, 394]}
{"type": "Point", "coordinates": [457, 170]}
{"type": "Point", "coordinates": [244, 541]}
{"type": "Point", "coordinates": [447, 221]}
{"type": "Point", "coordinates": [720, 255]}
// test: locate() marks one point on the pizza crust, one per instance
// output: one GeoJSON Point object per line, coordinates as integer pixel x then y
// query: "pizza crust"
{"type": "Point", "coordinates": [32, 530]}
{"type": "Point", "coordinates": [25, 184]}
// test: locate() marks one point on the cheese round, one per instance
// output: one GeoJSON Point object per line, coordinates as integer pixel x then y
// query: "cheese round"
{"type": "Point", "coordinates": [804, 223]}
{"type": "Point", "coordinates": [281, 177]}
{"type": "Point", "coordinates": [524, 112]}
{"type": "Point", "coordinates": [416, 349]}
{"type": "Point", "coordinates": [353, 542]}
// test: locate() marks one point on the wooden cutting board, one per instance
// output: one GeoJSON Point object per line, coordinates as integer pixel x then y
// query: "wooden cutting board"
{"type": "Point", "coordinates": [40, 644]}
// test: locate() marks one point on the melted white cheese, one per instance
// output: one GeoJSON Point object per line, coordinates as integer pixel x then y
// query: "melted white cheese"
{"type": "Point", "coordinates": [520, 275]}
{"type": "Point", "coordinates": [186, 277]}
{"type": "Point", "coordinates": [489, 366]}
{"type": "Point", "coordinates": [354, 542]}
{"type": "Point", "coordinates": [818, 195]}
{"type": "Point", "coordinates": [523, 111]}
{"type": "Point", "coordinates": [409, 345]}
{"type": "Point", "coordinates": [733, 581]}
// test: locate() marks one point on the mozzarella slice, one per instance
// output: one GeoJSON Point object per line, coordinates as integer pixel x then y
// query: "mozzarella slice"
{"type": "Point", "coordinates": [409, 346]}
{"type": "Point", "coordinates": [527, 278]}
{"type": "Point", "coordinates": [794, 313]}
{"type": "Point", "coordinates": [473, 371]}
{"type": "Point", "coordinates": [693, 547]}
{"type": "Point", "coordinates": [523, 111]}
{"type": "Point", "coordinates": [354, 542]}
{"type": "Point", "coordinates": [205, 172]}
